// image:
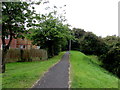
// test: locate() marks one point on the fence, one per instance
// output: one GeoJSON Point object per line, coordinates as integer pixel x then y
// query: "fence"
{"type": "Point", "coordinates": [17, 55]}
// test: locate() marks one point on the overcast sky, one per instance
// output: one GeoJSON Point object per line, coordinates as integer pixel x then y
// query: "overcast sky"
{"type": "Point", "coordinates": [98, 16]}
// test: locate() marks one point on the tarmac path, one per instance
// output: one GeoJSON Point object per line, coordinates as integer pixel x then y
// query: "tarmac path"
{"type": "Point", "coordinates": [57, 76]}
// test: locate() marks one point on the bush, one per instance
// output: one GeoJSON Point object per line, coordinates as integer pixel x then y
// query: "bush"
{"type": "Point", "coordinates": [91, 44]}
{"type": "Point", "coordinates": [111, 40]}
{"type": "Point", "coordinates": [78, 34]}
{"type": "Point", "coordinates": [57, 49]}
{"type": "Point", "coordinates": [111, 60]}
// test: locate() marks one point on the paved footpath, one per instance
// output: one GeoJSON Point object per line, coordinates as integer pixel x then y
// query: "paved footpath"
{"type": "Point", "coordinates": [57, 76]}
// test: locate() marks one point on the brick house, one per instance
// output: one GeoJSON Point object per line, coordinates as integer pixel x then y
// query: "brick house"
{"type": "Point", "coordinates": [19, 43]}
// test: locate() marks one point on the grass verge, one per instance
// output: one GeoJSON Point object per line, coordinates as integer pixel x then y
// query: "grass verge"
{"type": "Point", "coordinates": [86, 73]}
{"type": "Point", "coordinates": [0, 81]}
{"type": "Point", "coordinates": [25, 74]}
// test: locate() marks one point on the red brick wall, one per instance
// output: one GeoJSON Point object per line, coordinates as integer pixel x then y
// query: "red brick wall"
{"type": "Point", "coordinates": [13, 43]}
{"type": "Point", "coordinates": [17, 42]}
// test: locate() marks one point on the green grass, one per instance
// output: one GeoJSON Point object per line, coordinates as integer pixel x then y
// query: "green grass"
{"type": "Point", "coordinates": [95, 59]}
{"type": "Point", "coordinates": [86, 73]}
{"type": "Point", "coordinates": [0, 81]}
{"type": "Point", "coordinates": [25, 74]}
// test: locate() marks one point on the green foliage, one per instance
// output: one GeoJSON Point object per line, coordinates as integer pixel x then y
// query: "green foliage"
{"type": "Point", "coordinates": [92, 44]}
{"type": "Point", "coordinates": [15, 15]}
{"type": "Point", "coordinates": [106, 48]}
{"type": "Point", "coordinates": [111, 60]}
{"type": "Point", "coordinates": [86, 73]}
{"type": "Point", "coordinates": [88, 42]}
{"type": "Point", "coordinates": [78, 34]}
{"type": "Point", "coordinates": [111, 40]}
{"type": "Point", "coordinates": [50, 34]}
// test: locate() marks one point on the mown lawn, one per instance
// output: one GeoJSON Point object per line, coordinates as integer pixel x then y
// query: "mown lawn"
{"type": "Point", "coordinates": [86, 73]}
{"type": "Point", "coordinates": [25, 74]}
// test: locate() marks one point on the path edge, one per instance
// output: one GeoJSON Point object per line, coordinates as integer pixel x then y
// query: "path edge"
{"type": "Point", "coordinates": [46, 72]}
{"type": "Point", "coordinates": [69, 82]}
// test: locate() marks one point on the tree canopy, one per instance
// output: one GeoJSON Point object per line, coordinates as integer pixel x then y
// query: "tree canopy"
{"type": "Point", "coordinates": [14, 17]}
{"type": "Point", "coordinates": [50, 34]}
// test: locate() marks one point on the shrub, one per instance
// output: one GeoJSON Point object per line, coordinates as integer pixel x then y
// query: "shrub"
{"type": "Point", "coordinates": [111, 60]}
{"type": "Point", "coordinates": [91, 44]}
{"type": "Point", "coordinates": [78, 34]}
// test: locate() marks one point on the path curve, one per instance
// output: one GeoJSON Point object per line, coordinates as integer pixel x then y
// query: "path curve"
{"type": "Point", "coordinates": [57, 76]}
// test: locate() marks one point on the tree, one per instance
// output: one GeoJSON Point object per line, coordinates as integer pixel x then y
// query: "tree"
{"type": "Point", "coordinates": [91, 44]}
{"type": "Point", "coordinates": [50, 33]}
{"type": "Point", "coordinates": [78, 34]}
{"type": "Point", "coordinates": [111, 60]}
{"type": "Point", "coordinates": [15, 15]}
{"type": "Point", "coordinates": [111, 40]}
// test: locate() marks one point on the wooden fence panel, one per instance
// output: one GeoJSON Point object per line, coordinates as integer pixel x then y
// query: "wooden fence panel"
{"type": "Point", "coordinates": [14, 55]}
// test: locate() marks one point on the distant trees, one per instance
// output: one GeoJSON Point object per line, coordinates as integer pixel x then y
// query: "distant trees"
{"type": "Point", "coordinates": [92, 44]}
{"type": "Point", "coordinates": [111, 40]}
{"type": "Point", "coordinates": [88, 43]}
{"type": "Point", "coordinates": [78, 34]}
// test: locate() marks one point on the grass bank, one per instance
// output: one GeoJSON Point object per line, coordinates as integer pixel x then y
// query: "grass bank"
{"type": "Point", "coordinates": [25, 74]}
{"type": "Point", "coordinates": [86, 73]}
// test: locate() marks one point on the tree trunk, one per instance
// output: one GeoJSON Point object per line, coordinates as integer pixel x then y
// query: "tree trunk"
{"type": "Point", "coordinates": [21, 55]}
{"type": "Point", "coordinates": [4, 52]}
{"type": "Point", "coordinates": [3, 63]}
{"type": "Point", "coordinates": [52, 47]}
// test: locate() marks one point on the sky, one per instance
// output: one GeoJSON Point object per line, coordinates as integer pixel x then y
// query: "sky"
{"type": "Point", "coordinates": [97, 16]}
